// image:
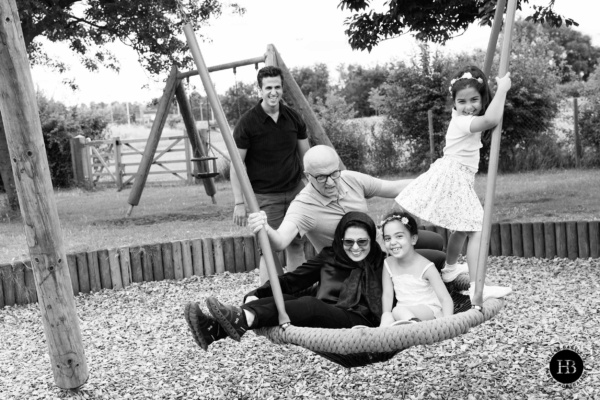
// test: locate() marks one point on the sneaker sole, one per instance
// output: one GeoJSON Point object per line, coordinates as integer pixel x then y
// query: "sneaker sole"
{"type": "Point", "coordinates": [192, 321]}
{"type": "Point", "coordinates": [213, 307]}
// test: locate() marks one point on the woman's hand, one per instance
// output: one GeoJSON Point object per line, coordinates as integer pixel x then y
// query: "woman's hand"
{"type": "Point", "coordinates": [504, 82]}
{"type": "Point", "coordinates": [256, 221]}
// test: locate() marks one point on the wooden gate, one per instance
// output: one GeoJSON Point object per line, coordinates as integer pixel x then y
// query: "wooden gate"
{"type": "Point", "coordinates": [108, 161]}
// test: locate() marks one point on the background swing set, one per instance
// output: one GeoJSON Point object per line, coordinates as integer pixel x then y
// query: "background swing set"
{"type": "Point", "coordinates": [44, 235]}
{"type": "Point", "coordinates": [205, 163]}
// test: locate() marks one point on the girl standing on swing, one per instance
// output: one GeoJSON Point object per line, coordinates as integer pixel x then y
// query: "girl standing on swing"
{"type": "Point", "coordinates": [445, 194]}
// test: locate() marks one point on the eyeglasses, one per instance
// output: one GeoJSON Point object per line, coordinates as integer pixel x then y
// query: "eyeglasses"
{"type": "Point", "coordinates": [360, 242]}
{"type": "Point", "coordinates": [323, 178]}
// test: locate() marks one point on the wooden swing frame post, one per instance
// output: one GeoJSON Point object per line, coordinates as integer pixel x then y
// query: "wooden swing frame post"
{"type": "Point", "coordinates": [237, 163]}
{"type": "Point", "coordinates": [494, 157]}
{"type": "Point", "coordinates": [21, 119]}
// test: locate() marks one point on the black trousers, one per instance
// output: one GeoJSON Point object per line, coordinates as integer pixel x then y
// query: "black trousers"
{"type": "Point", "coordinates": [303, 311]}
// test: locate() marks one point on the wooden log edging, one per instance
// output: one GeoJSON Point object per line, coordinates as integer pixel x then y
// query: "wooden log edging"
{"type": "Point", "coordinates": [119, 267]}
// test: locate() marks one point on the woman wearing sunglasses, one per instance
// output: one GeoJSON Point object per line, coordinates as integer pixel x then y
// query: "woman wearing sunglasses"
{"type": "Point", "coordinates": [348, 294]}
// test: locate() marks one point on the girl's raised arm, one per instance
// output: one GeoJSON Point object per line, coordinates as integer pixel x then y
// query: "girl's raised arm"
{"type": "Point", "coordinates": [493, 114]}
{"type": "Point", "coordinates": [440, 290]}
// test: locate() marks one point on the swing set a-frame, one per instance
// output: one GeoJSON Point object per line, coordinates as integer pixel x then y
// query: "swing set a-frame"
{"type": "Point", "coordinates": [205, 163]}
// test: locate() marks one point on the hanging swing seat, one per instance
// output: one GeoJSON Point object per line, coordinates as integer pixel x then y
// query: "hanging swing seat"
{"type": "Point", "coordinates": [206, 167]}
{"type": "Point", "coordinates": [359, 347]}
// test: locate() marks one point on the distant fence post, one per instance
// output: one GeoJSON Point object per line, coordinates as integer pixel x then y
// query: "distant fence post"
{"type": "Point", "coordinates": [118, 166]}
{"type": "Point", "coordinates": [77, 144]}
{"type": "Point", "coordinates": [576, 131]}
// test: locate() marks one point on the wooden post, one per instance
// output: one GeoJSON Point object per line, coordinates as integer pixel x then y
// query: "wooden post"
{"type": "Point", "coordinates": [38, 207]}
{"type": "Point", "coordinates": [157, 126]}
{"type": "Point", "coordinates": [197, 258]}
{"type": "Point", "coordinates": [488, 209]}
{"type": "Point", "coordinates": [576, 132]}
{"type": "Point", "coordinates": [237, 164]}
{"type": "Point", "coordinates": [77, 144]}
{"type": "Point", "coordinates": [550, 239]}
{"type": "Point", "coordinates": [188, 161]}
{"type": "Point", "coordinates": [539, 240]}
{"type": "Point", "coordinates": [118, 163]}
{"type": "Point", "coordinates": [431, 139]}
{"type": "Point", "coordinates": [198, 147]}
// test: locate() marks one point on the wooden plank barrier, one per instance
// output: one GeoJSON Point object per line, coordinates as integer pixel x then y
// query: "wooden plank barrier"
{"type": "Point", "coordinates": [583, 242]}
{"type": "Point", "coordinates": [186, 258]}
{"type": "Point", "coordinates": [118, 268]}
{"type": "Point", "coordinates": [238, 254]}
{"type": "Point", "coordinates": [539, 249]}
{"type": "Point", "coordinates": [125, 262]}
{"type": "Point", "coordinates": [594, 228]}
{"type": "Point", "coordinates": [516, 239]}
{"type": "Point", "coordinates": [561, 239]}
{"type": "Point", "coordinates": [495, 247]}
{"type": "Point", "coordinates": [197, 258]}
{"type": "Point", "coordinates": [550, 239]}
{"type": "Point", "coordinates": [104, 265]}
{"type": "Point", "coordinates": [135, 256]}
{"type": "Point", "coordinates": [177, 260]}
{"type": "Point", "coordinates": [249, 258]}
{"type": "Point", "coordinates": [72, 263]}
{"type": "Point", "coordinates": [207, 256]}
{"type": "Point", "coordinates": [115, 269]}
{"type": "Point", "coordinates": [505, 239]}
{"type": "Point", "coordinates": [83, 273]}
{"type": "Point", "coordinates": [218, 255]}
{"type": "Point", "coordinates": [228, 254]}
{"type": "Point", "coordinates": [527, 241]}
{"type": "Point", "coordinates": [572, 242]}
{"type": "Point", "coordinates": [167, 259]}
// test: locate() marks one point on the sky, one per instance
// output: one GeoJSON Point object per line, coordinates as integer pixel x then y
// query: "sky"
{"type": "Point", "coordinates": [305, 32]}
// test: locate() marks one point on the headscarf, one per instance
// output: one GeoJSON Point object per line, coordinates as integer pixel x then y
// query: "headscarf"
{"type": "Point", "coordinates": [365, 276]}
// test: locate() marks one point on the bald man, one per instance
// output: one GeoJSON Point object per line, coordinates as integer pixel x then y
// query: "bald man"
{"type": "Point", "coordinates": [330, 194]}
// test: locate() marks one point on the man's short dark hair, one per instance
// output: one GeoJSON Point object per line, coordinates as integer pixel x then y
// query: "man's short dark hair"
{"type": "Point", "coordinates": [268, 72]}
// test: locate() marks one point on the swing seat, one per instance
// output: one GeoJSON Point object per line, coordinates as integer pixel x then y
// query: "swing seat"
{"type": "Point", "coordinates": [207, 166]}
{"type": "Point", "coordinates": [359, 347]}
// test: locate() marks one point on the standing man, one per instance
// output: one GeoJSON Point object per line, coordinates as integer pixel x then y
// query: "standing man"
{"type": "Point", "coordinates": [272, 140]}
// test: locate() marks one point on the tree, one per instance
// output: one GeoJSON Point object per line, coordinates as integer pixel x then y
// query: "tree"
{"type": "Point", "coordinates": [428, 20]}
{"type": "Point", "coordinates": [579, 57]}
{"type": "Point", "coordinates": [237, 100]}
{"type": "Point", "coordinates": [357, 82]}
{"type": "Point", "coordinates": [313, 81]}
{"type": "Point", "coordinates": [150, 28]}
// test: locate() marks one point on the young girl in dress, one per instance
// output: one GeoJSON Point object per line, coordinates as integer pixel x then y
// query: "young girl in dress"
{"type": "Point", "coordinates": [420, 292]}
{"type": "Point", "coordinates": [444, 195]}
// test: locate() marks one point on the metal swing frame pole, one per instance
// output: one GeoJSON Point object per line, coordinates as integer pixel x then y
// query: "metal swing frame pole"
{"type": "Point", "coordinates": [236, 161]}
{"type": "Point", "coordinates": [494, 160]}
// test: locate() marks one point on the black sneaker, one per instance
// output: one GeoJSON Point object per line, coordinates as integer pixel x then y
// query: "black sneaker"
{"type": "Point", "coordinates": [205, 329]}
{"type": "Point", "coordinates": [231, 318]}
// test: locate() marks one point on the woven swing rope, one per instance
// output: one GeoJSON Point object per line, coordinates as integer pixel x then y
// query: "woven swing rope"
{"type": "Point", "coordinates": [381, 340]}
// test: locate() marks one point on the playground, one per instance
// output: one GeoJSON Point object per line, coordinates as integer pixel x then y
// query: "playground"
{"type": "Point", "coordinates": [123, 336]}
{"type": "Point", "coordinates": [138, 346]}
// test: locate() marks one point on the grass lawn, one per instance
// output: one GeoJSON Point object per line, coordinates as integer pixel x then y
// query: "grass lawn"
{"type": "Point", "coordinates": [96, 220]}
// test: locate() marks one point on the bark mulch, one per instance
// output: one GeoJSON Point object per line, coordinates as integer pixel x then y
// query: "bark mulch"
{"type": "Point", "coordinates": [138, 346]}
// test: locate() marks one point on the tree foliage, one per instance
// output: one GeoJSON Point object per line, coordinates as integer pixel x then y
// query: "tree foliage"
{"type": "Point", "coordinates": [357, 82]}
{"type": "Point", "coordinates": [313, 81]}
{"type": "Point", "coordinates": [429, 20]}
{"type": "Point", "coordinates": [151, 28]}
{"type": "Point", "coordinates": [238, 99]}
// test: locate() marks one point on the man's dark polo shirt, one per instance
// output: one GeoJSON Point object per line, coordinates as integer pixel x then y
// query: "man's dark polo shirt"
{"type": "Point", "coordinates": [272, 148]}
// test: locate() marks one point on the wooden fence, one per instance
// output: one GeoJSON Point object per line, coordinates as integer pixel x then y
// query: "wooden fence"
{"type": "Point", "coordinates": [97, 160]}
{"type": "Point", "coordinates": [93, 271]}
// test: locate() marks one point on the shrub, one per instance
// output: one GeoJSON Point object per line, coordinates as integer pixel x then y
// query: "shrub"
{"type": "Point", "coordinates": [59, 125]}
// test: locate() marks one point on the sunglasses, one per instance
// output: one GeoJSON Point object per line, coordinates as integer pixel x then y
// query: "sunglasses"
{"type": "Point", "coordinates": [360, 242]}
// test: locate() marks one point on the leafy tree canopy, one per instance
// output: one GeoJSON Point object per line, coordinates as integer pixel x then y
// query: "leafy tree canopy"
{"type": "Point", "coordinates": [151, 28]}
{"type": "Point", "coordinates": [430, 20]}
